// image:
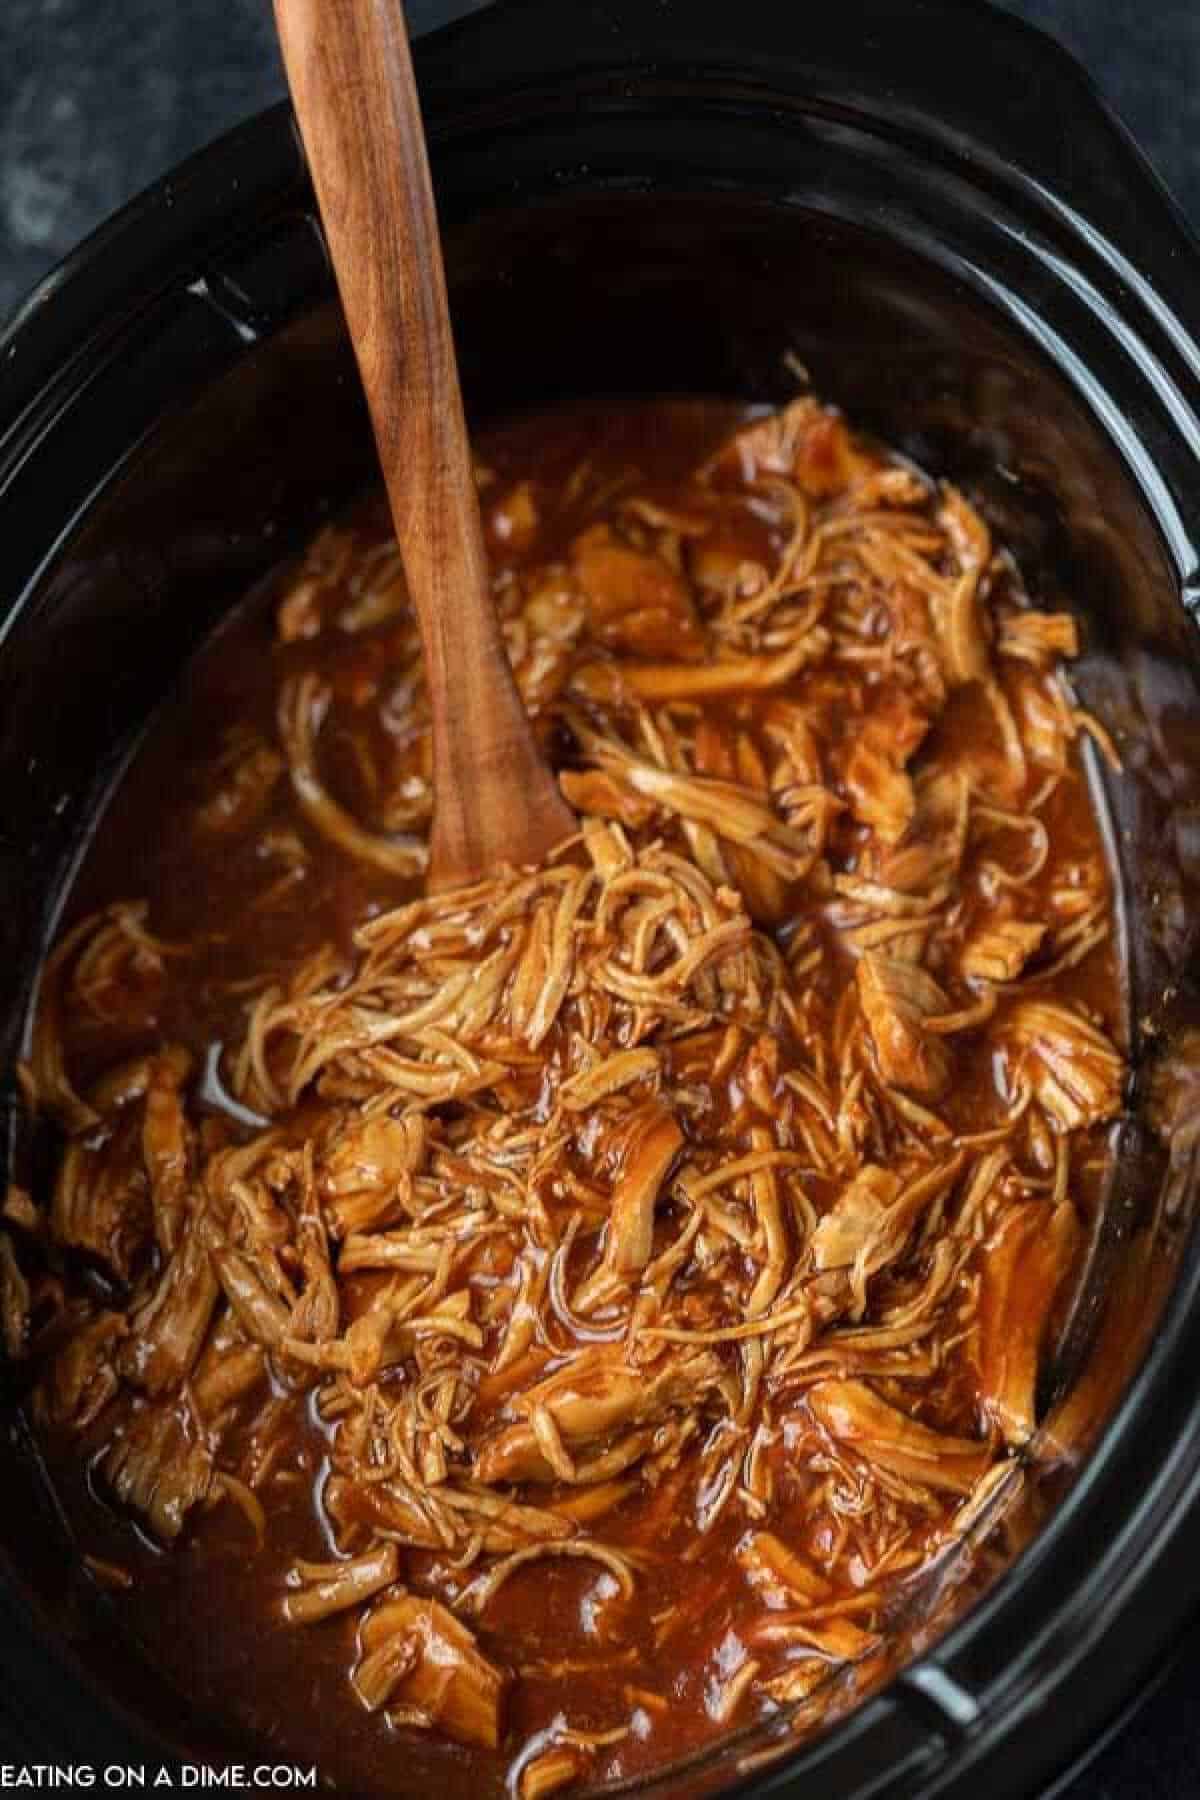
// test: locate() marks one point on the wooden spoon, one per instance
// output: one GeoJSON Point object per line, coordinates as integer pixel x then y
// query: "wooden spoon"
{"type": "Point", "coordinates": [350, 73]}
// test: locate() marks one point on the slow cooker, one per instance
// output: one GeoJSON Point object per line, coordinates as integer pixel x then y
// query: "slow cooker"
{"type": "Point", "coordinates": [924, 206]}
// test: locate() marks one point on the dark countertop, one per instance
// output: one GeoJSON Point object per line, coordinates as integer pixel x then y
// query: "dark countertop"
{"type": "Point", "coordinates": [98, 97]}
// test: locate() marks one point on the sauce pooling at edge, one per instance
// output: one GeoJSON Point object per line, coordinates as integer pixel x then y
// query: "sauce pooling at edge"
{"type": "Point", "coordinates": [551, 1325]}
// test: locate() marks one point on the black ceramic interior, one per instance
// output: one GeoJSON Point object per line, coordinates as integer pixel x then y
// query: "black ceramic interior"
{"type": "Point", "coordinates": [644, 198]}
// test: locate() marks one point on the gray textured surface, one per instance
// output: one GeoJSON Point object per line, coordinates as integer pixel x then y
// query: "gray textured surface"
{"type": "Point", "coordinates": [98, 97]}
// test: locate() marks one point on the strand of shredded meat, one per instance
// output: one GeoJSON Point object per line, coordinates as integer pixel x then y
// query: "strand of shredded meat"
{"type": "Point", "coordinates": [714, 1185]}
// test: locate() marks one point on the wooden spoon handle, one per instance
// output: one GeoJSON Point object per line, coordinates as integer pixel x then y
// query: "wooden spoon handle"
{"type": "Point", "coordinates": [351, 79]}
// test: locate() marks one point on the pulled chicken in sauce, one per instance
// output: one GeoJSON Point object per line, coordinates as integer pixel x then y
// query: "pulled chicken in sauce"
{"type": "Point", "coordinates": [588, 1303]}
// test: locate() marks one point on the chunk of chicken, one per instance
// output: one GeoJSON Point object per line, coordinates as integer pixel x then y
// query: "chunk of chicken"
{"type": "Point", "coordinates": [1074, 1070]}
{"type": "Point", "coordinates": [595, 791]}
{"type": "Point", "coordinates": [1025, 1262]}
{"type": "Point", "coordinates": [500, 1525]}
{"type": "Point", "coordinates": [884, 1218]}
{"type": "Point", "coordinates": [836, 1639]}
{"type": "Point", "coordinates": [609, 1076]}
{"type": "Point", "coordinates": [168, 1329]}
{"type": "Point", "coordinates": [101, 1201]}
{"type": "Point", "coordinates": [805, 441]}
{"type": "Point", "coordinates": [721, 569]}
{"type": "Point", "coordinates": [880, 792]}
{"type": "Point", "coordinates": [594, 1396]}
{"type": "Point", "coordinates": [897, 998]}
{"type": "Point", "coordinates": [554, 610]}
{"type": "Point", "coordinates": [790, 729]}
{"type": "Point", "coordinates": [643, 1144]}
{"type": "Point", "coordinates": [1045, 731]}
{"type": "Point", "coordinates": [731, 810]}
{"type": "Point", "coordinates": [542, 637]}
{"type": "Point", "coordinates": [166, 1144]}
{"type": "Point", "coordinates": [1038, 637]}
{"type": "Point", "coordinates": [366, 1171]}
{"type": "Point", "coordinates": [957, 615]}
{"type": "Point", "coordinates": [549, 1771]}
{"type": "Point", "coordinates": [854, 1414]}
{"type": "Point", "coordinates": [931, 850]}
{"type": "Point", "coordinates": [914, 639]}
{"type": "Point", "coordinates": [83, 1377]}
{"type": "Point", "coordinates": [261, 1313]}
{"type": "Point", "coordinates": [1000, 949]}
{"type": "Point", "coordinates": [416, 1656]}
{"type": "Point", "coordinates": [373, 1152]}
{"type": "Point", "coordinates": [854, 1218]}
{"type": "Point", "coordinates": [316, 1316]}
{"type": "Point", "coordinates": [636, 602]}
{"type": "Point", "coordinates": [155, 1467]}
{"type": "Point", "coordinates": [771, 445]}
{"type": "Point", "coordinates": [781, 1573]}
{"type": "Point", "coordinates": [229, 1370]}
{"type": "Point", "coordinates": [682, 681]}
{"type": "Point", "coordinates": [761, 886]}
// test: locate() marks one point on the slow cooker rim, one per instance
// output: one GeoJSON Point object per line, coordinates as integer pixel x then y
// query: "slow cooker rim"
{"type": "Point", "coordinates": [68, 314]}
{"type": "Point", "coordinates": [256, 156]}
{"type": "Point", "coordinates": [481, 63]}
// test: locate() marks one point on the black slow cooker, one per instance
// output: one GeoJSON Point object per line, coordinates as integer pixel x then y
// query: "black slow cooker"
{"type": "Point", "coordinates": [925, 206]}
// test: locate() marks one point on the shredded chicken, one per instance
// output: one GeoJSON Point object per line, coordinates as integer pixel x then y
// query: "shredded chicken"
{"type": "Point", "coordinates": [691, 1214]}
{"type": "Point", "coordinates": [1025, 1263]}
{"type": "Point", "coordinates": [320, 1589]}
{"type": "Point", "coordinates": [549, 1771]}
{"type": "Point", "coordinates": [420, 1663]}
{"type": "Point", "coordinates": [999, 951]}
{"type": "Point", "coordinates": [898, 1000]}
{"type": "Point", "coordinates": [636, 602]}
{"type": "Point", "coordinates": [1072, 1066]}
{"type": "Point", "coordinates": [854, 1414]}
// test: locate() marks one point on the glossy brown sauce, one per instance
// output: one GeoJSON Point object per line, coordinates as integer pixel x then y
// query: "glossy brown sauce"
{"type": "Point", "coordinates": [241, 906]}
